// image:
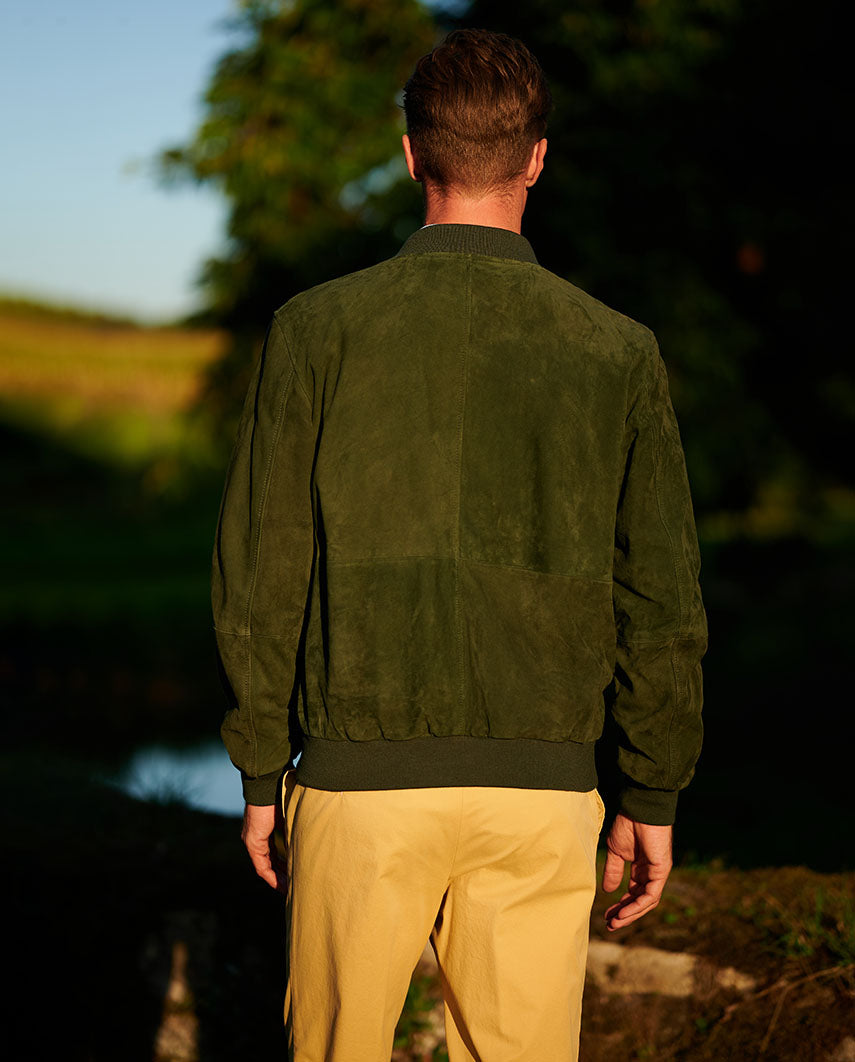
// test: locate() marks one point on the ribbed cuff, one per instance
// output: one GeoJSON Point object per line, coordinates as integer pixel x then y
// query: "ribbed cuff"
{"type": "Point", "coordinates": [655, 807]}
{"type": "Point", "coordinates": [263, 790]}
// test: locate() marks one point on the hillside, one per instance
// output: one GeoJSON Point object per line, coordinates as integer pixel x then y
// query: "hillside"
{"type": "Point", "coordinates": [104, 386]}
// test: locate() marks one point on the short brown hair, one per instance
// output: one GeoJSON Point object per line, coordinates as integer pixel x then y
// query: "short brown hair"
{"type": "Point", "coordinates": [475, 106]}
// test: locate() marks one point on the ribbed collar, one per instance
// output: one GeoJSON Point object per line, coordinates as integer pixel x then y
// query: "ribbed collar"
{"type": "Point", "coordinates": [470, 239]}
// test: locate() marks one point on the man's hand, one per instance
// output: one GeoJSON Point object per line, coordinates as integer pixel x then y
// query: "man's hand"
{"type": "Point", "coordinates": [259, 824]}
{"type": "Point", "coordinates": [648, 850]}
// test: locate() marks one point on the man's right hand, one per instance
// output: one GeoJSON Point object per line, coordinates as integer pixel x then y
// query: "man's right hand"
{"type": "Point", "coordinates": [648, 851]}
{"type": "Point", "coordinates": [259, 824]}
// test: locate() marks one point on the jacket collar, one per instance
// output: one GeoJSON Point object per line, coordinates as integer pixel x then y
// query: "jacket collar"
{"type": "Point", "coordinates": [470, 239]}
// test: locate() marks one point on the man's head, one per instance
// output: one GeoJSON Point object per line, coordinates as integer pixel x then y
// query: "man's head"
{"type": "Point", "coordinates": [476, 106]}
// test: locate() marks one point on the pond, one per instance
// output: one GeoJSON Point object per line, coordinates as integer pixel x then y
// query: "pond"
{"type": "Point", "coordinates": [201, 777]}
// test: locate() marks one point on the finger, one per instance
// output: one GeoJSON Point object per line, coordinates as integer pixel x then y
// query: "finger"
{"type": "Point", "coordinates": [258, 849]}
{"type": "Point", "coordinates": [613, 871]}
{"type": "Point", "coordinates": [617, 922]}
{"type": "Point", "coordinates": [616, 906]}
{"type": "Point", "coordinates": [629, 910]}
{"type": "Point", "coordinates": [263, 866]}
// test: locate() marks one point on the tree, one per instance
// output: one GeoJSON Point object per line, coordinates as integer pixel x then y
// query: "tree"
{"type": "Point", "coordinates": [696, 180]}
{"type": "Point", "coordinates": [682, 186]}
{"type": "Point", "coordinates": [302, 134]}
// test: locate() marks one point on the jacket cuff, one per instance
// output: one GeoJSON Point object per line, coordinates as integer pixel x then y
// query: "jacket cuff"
{"type": "Point", "coordinates": [655, 807]}
{"type": "Point", "coordinates": [263, 790]}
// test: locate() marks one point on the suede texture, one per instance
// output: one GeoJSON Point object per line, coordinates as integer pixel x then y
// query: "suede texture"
{"type": "Point", "coordinates": [458, 507]}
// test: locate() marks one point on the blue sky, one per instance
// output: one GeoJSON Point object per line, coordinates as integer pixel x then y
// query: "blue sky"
{"type": "Point", "coordinates": [92, 90]}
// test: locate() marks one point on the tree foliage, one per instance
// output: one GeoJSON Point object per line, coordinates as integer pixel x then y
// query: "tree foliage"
{"type": "Point", "coordinates": [694, 180]}
{"type": "Point", "coordinates": [301, 124]}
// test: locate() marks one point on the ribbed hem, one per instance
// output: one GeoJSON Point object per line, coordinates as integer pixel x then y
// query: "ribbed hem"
{"type": "Point", "coordinates": [434, 762]}
{"type": "Point", "coordinates": [470, 239]}
{"type": "Point", "coordinates": [655, 807]}
{"type": "Point", "coordinates": [261, 791]}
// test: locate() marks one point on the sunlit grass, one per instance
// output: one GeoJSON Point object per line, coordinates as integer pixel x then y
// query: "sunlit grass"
{"type": "Point", "coordinates": [110, 467]}
{"type": "Point", "coordinates": [112, 391]}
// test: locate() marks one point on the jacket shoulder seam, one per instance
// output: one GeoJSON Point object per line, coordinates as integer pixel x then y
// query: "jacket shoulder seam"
{"type": "Point", "coordinates": [291, 361]}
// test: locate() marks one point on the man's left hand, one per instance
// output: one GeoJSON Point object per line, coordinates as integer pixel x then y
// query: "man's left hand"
{"type": "Point", "coordinates": [648, 851]}
{"type": "Point", "coordinates": [259, 825]}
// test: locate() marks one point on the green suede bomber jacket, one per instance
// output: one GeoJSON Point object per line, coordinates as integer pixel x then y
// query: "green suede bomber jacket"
{"type": "Point", "coordinates": [456, 529]}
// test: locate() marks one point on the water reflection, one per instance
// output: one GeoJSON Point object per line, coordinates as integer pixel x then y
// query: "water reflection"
{"type": "Point", "coordinates": [201, 777]}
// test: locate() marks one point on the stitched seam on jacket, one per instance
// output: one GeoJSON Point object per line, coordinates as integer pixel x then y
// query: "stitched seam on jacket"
{"type": "Point", "coordinates": [458, 616]}
{"type": "Point", "coordinates": [672, 552]}
{"type": "Point", "coordinates": [255, 636]}
{"type": "Point", "coordinates": [355, 562]}
{"type": "Point", "coordinates": [648, 644]}
{"type": "Point", "coordinates": [262, 504]}
{"type": "Point", "coordinates": [605, 581]}
{"type": "Point", "coordinates": [485, 257]}
{"type": "Point", "coordinates": [291, 360]}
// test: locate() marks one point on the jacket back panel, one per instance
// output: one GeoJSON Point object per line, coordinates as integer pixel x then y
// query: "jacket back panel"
{"type": "Point", "coordinates": [470, 449]}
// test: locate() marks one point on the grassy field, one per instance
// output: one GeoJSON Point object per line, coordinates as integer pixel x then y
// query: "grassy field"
{"type": "Point", "coordinates": [105, 388]}
{"type": "Point", "coordinates": [102, 433]}
{"type": "Point", "coordinates": [112, 481]}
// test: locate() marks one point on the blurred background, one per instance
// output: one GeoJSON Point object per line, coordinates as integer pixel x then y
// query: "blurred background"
{"type": "Point", "coordinates": [175, 172]}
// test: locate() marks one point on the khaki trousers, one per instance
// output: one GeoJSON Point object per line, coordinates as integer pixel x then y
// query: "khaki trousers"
{"type": "Point", "coordinates": [501, 880]}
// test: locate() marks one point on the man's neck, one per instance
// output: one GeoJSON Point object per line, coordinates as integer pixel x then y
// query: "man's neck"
{"type": "Point", "coordinates": [500, 212]}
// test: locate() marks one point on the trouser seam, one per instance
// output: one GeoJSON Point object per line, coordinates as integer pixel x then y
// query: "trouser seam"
{"type": "Point", "coordinates": [457, 840]}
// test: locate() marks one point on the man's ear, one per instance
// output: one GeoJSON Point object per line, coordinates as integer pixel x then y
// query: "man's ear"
{"type": "Point", "coordinates": [412, 164]}
{"type": "Point", "coordinates": [535, 163]}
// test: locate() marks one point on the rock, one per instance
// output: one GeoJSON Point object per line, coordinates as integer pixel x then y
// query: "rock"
{"type": "Point", "coordinates": [845, 1051]}
{"type": "Point", "coordinates": [620, 970]}
{"type": "Point", "coordinates": [617, 969]}
{"type": "Point", "coordinates": [177, 1037]}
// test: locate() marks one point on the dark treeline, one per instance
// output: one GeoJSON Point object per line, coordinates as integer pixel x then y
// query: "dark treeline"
{"type": "Point", "coordinates": [694, 180]}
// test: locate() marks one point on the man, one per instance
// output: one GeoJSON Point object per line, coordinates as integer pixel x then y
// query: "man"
{"type": "Point", "coordinates": [457, 513]}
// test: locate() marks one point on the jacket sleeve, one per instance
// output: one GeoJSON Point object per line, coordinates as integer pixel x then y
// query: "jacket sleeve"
{"type": "Point", "coordinates": [262, 566]}
{"type": "Point", "coordinates": [659, 616]}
